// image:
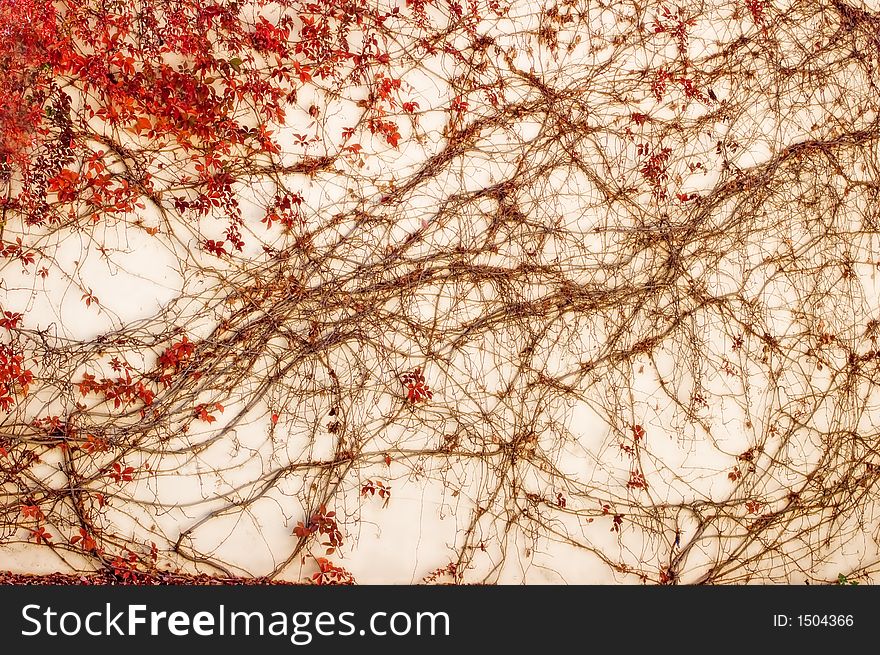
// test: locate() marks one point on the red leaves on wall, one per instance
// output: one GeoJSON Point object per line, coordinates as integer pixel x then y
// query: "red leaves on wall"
{"type": "Point", "coordinates": [286, 210]}
{"type": "Point", "coordinates": [86, 541]}
{"type": "Point", "coordinates": [331, 574]}
{"type": "Point", "coordinates": [654, 170]}
{"type": "Point", "coordinates": [203, 414]}
{"type": "Point", "coordinates": [378, 488]}
{"type": "Point", "coordinates": [417, 389]}
{"type": "Point", "coordinates": [122, 391]}
{"type": "Point", "coordinates": [29, 31]}
{"type": "Point", "coordinates": [95, 444]}
{"type": "Point", "coordinates": [321, 522]}
{"type": "Point", "coordinates": [40, 535]}
{"type": "Point", "coordinates": [17, 251]}
{"type": "Point", "coordinates": [32, 511]}
{"type": "Point", "coordinates": [270, 38]}
{"type": "Point", "coordinates": [637, 480]}
{"type": "Point", "coordinates": [121, 474]}
{"type": "Point", "coordinates": [10, 320]}
{"type": "Point", "coordinates": [15, 378]}
{"type": "Point", "coordinates": [676, 26]}
{"type": "Point", "coordinates": [177, 355]}
{"type": "Point", "coordinates": [756, 9]}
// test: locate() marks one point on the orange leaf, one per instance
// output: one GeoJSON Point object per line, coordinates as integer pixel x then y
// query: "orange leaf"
{"type": "Point", "coordinates": [143, 123]}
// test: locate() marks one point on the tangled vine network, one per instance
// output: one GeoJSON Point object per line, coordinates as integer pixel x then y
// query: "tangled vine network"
{"type": "Point", "coordinates": [438, 291]}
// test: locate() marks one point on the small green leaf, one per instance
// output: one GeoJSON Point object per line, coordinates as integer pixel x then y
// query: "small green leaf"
{"type": "Point", "coordinates": [235, 62]}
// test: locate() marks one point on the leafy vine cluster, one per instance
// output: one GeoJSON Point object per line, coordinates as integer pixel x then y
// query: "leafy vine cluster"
{"type": "Point", "coordinates": [593, 284]}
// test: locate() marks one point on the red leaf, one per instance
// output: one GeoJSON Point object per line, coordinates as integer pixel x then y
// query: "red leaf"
{"type": "Point", "coordinates": [142, 124]}
{"type": "Point", "coordinates": [40, 535]}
